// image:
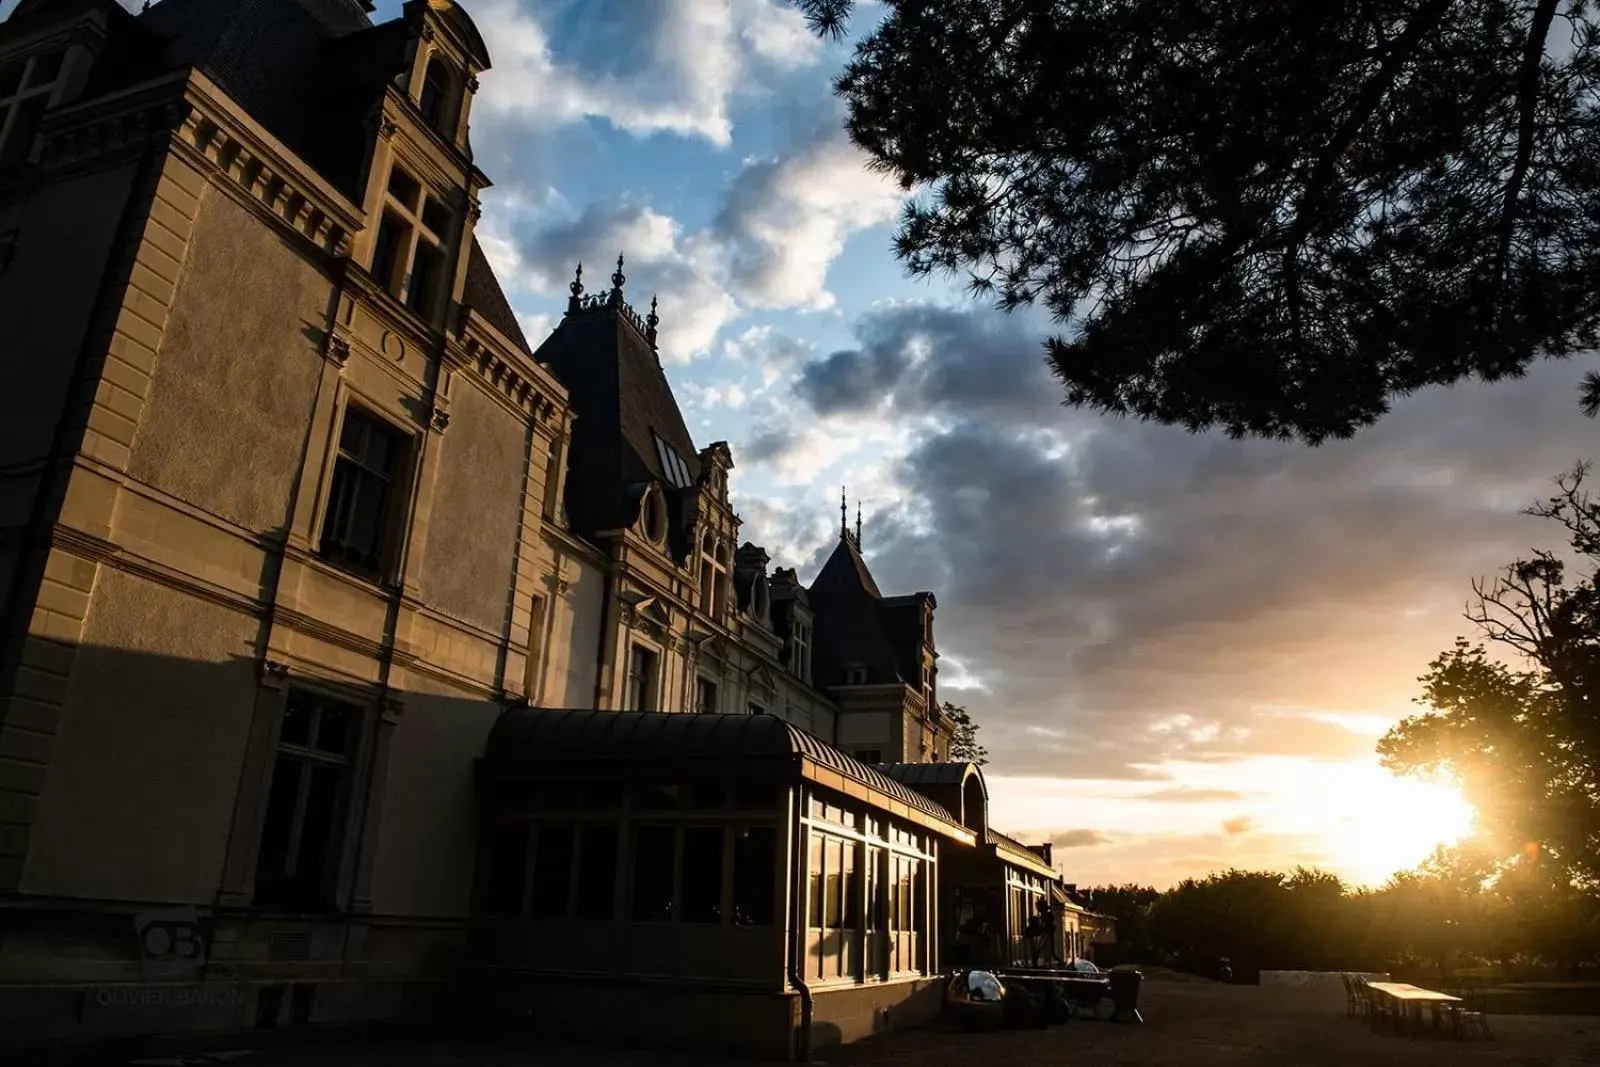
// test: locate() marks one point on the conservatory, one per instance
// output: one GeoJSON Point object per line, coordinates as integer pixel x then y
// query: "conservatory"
{"type": "Point", "coordinates": [722, 882]}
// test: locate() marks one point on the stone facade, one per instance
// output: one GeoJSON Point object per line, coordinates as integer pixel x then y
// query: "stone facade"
{"type": "Point", "coordinates": [286, 524]}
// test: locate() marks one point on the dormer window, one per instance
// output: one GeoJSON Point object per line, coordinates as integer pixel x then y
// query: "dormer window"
{"type": "Point", "coordinates": [800, 661]}
{"type": "Point", "coordinates": [26, 86]}
{"type": "Point", "coordinates": [408, 256]}
{"type": "Point", "coordinates": [713, 574]}
{"type": "Point", "coordinates": [438, 84]}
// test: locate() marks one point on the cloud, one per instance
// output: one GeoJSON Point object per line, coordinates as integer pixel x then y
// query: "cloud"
{"type": "Point", "coordinates": [665, 66]}
{"type": "Point", "coordinates": [1240, 824]}
{"type": "Point", "coordinates": [1103, 576]}
{"type": "Point", "coordinates": [1078, 838]}
{"type": "Point", "coordinates": [681, 271]}
{"type": "Point", "coordinates": [785, 219]}
{"type": "Point", "coordinates": [1183, 794]}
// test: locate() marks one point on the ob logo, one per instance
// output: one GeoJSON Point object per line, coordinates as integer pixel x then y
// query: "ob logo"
{"type": "Point", "coordinates": [170, 941]}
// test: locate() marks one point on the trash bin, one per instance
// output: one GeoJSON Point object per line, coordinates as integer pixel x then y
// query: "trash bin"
{"type": "Point", "coordinates": [1125, 995]}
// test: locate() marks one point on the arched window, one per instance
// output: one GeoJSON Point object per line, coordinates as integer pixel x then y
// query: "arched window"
{"type": "Point", "coordinates": [437, 95]}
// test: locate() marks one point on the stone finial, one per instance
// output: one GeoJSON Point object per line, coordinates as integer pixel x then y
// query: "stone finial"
{"type": "Point", "coordinates": [576, 288]}
{"type": "Point", "coordinates": [618, 280]}
{"type": "Point", "coordinates": [651, 323]}
{"type": "Point", "coordinates": [844, 516]}
{"type": "Point", "coordinates": [858, 525]}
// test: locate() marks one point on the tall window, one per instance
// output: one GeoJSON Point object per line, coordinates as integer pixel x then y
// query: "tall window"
{"type": "Point", "coordinates": [437, 96]}
{"type": "Point", "coordinates": [705, 696]}
{"type": "Point", "coordinates": [702, 875]}
{"type": "Point", "coordinates": [755, 875]}
{"type": "Point", "coordinates": [801, 653]}
{"type": "Point", "coordinates": [641, 679]}
{"type": "Point", "coordinates": [597, 872]}
{"type": "Point", "coordinates": [363, 494]}
{"type": "Point", "coordinates": [26, 86]}
{"type": "Point", "coordinates": [408, 256]}
{"type": "Point", "coordinates": [300, 837]}
{"type": "Point", "coordinates": [552, 871]}
{"type": "Point", "coordinates": [653, 853]}
{"type": "Point", "coordinates": [531, 676]}
{"type": "Point", "coordinates": [713, 573]}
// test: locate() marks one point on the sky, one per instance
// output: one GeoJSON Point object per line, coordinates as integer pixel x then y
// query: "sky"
{"type": "Point", "coordinates": [1181, 649]}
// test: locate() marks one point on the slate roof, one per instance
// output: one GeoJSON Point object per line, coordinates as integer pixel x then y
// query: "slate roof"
{"type": "Point", "coordinates": [313, 72]}
{"type": "Point", "coordinates": [484, 295]}
{"type": "Point", "coordinates": [522, 739]}
{"type": "Point", "coordinates": [850, 625]}
{"type": "Point", "coordinates": [623, 401]}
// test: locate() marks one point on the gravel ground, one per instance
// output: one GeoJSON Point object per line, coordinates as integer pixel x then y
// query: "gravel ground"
{"type": "Point", "coordinates": [1199, 1024]}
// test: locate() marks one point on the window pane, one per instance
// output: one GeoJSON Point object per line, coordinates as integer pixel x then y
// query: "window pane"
{"type": "Point", "coordinates": [755, 861]}
{"type": "Point", "coordinates": [597, 872]}
{"type": "Point", "coordinates": [404, 188]}
{"type": "Point", "coordinates": [815, 868]}
{"type": "Point", "coordinates": [46, 69]}
{"type": "Point", "coordinates": [834, 915]}
{"type": "Point", "coordinates": [297, 717]}
{"type": "Point", "coordinates": [710, 795]}
{"type": "Point", "coordinates": [318, 831]}
{"type": "Point", "coordinates": [427, 266]}
{"type": "Point", "coordinates": [24, 127]}
{"type": "Point", "coordinates": [333, 729]}
{"type": "Point", "coordinates": [852, 888]}
{"type": "Point", "coordinates": [272, 863]}
{"type": "Point", "coordinates": [386, 251]}
{"type": "Point", "coordinates": [655, 796]}
{"type": "Point", "coordinates": [435, 91]}
{"type": "Point", "coordinates": [552, 872]}
{"type": "Point", "coordinates": [875, 910]}
{"type": "Point", "coordinates": [652, 873]}
{"type": "Point", "coordinates": [756, 795]}
{"type": "Point", "coordinates": [702, 874]}
{"type": "Point", "coordinates": [508, 870]}
{"type": "Point", "coordinates": [435, 216]}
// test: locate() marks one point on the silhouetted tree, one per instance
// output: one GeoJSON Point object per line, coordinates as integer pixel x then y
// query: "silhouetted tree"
{"type": "Point", "coordinates": [1523, 738]}
{"type": "Point", "coordinates": [1270, 217]}
{"type": "Point", "coordinates": [1129, 904]}
{"type": "Point", "coordinates": [964, 744]}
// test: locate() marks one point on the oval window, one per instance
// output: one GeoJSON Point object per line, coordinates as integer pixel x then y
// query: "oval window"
{"type": "Point", "coordinates": [655, 517]}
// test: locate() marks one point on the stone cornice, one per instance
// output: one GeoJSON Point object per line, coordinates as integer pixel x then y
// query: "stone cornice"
{"type": "Point", "coordinates": [110, 128]}
{"type": "Point", "coordinates": [545, 402]}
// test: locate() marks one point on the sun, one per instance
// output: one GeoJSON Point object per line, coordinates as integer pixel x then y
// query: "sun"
{"type": "Point", "coordinates": [1376, 823]}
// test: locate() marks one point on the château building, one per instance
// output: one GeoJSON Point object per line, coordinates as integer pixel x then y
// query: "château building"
{"type": "Point", "coordinates": [351, 642]}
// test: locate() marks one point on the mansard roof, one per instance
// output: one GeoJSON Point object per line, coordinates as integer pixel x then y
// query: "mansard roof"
{"type": "Point", "coordinates": [850, 625]}
{"type": "Point", "coordinates": [484, 296]}
{"type": "Point", "coordinates": [312, 72]}
{"type": "Point", "coordinates": [602, 353]}
{"type": "Point", "coordinates": [573, 743]}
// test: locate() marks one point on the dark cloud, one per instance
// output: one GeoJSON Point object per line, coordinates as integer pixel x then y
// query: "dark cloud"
{"type": "Point", "coordinates": [1239, 824]}
{"type": "Point", "coordinates": [1078, 838]}
{"type": "Point", "coordinates": [924, 358]}
{"type": "Point", "coordinates": [1148, 594]}
{"type": "Point", "coordinates": [768, 444]}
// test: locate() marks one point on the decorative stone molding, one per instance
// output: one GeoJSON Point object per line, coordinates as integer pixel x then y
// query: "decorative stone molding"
{"type": "Point", "coordinates": [427, 32]}
{"type": "Point", "coordinates": [388, 128]}
{"type": "Point", "coordinates": [439, 419]}
{"type": "Point", "coordinates": [472, 83]}
{"type": "Point", "coordinates": [337, 350]}
{"type": "Point", "coordinates": [557, 585]}
{"type": "Point", "coordinates": [259, 178]}
{"type": "Point", "coordinates": [391, 708]}
{"type": "Point", "coordinates": [99, 134]}
{"type": "Point", "coordinates": [474, 211]}
{"type": "Point", "coordinates": [274, 673]}
{"type": "Point", "coordinates": [506, 380]}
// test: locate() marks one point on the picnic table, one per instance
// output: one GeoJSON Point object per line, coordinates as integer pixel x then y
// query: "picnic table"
{"type": "Point", "coordinates": [1409, 1000]}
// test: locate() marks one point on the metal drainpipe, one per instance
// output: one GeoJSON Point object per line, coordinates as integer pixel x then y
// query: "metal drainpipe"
{"type": "Point", "coordinates": [797, 942]}
{"type": "Point", "coordinates": [605, 618]}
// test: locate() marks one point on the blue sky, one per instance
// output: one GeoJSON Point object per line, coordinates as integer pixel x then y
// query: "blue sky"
{"type": "Point", "coordinates": [1181, 648]}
